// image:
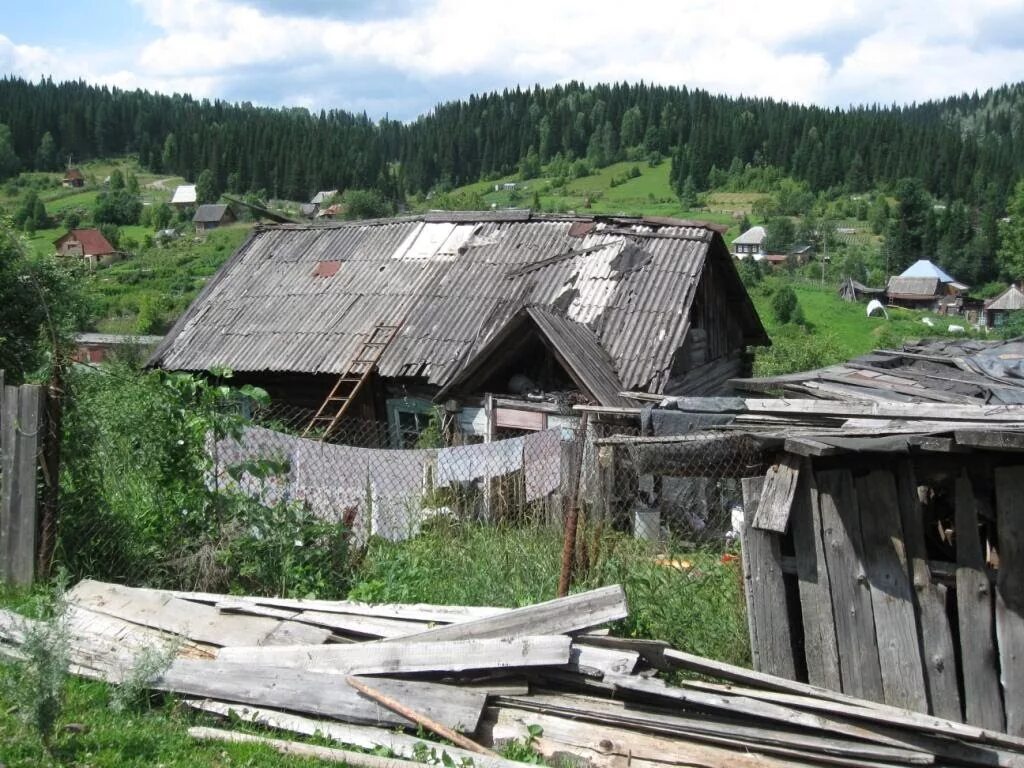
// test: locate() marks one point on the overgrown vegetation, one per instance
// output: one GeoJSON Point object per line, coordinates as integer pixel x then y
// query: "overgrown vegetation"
{"type": "Point", "coordinates": [692, 599]}
{"type": "Point", "coordinates": [140, 501]}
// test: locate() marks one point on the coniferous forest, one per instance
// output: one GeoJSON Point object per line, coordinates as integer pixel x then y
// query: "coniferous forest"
{"type": "Point", "coordinates": [965, 151]}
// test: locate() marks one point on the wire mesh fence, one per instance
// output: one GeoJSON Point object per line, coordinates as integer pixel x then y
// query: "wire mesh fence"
{"type": "Point", "coordinates": [165, 484]}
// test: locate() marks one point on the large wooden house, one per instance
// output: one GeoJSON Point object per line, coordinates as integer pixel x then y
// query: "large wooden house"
{"type": "Point", "coordinates": [534, 309]}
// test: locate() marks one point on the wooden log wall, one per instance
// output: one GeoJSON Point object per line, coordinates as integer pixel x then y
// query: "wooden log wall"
{"type": "Point", "coordinates": [898, 581]}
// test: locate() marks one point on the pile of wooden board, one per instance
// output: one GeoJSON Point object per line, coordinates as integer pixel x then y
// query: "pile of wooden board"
{"type": "Point", "coordinates": [364, 675]}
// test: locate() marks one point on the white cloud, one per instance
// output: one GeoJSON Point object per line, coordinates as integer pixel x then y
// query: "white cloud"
{"type": "Point", "coordinates": [803, 50]}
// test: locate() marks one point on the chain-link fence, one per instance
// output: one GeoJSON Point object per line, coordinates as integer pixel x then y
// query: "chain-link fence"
{"type": "Point", "coordinates": [176, 483]}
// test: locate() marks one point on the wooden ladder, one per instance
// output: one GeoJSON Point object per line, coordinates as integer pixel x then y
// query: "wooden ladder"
{"type": "Point", "coordinates": [350, 383]}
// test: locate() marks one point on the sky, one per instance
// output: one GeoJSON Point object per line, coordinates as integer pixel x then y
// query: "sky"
{"type": "Point", "coordinates": [401, 57]}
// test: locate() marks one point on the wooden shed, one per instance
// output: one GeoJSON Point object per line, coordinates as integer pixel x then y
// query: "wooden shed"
{"type": "Point", "coordinates": [998, 310]}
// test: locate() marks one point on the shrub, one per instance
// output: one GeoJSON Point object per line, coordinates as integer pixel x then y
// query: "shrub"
{"type": "Point", "coordinates": [784, 304]}
{"type": "Point", "coordinates": [793, 349]}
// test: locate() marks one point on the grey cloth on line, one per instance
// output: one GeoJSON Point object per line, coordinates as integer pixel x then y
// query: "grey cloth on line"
{"type": "Point", "coordinates": [465, 463]}
{"type": "Point", "coordinates": [542, 463]}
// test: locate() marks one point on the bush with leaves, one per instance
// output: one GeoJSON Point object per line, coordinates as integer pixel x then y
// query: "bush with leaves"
{"type": "Point", "coordinates": [795, 348]}
{"type": "Point", "coordinates": [784, 304]}
{"type": "Point", "coordinates": [140, 498]}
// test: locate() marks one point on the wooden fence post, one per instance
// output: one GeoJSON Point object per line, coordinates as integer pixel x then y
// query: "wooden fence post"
{"type": "Point", "coordinates": [20, 421]}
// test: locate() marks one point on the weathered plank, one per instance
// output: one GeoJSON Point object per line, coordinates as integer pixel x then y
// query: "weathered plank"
{"type": "Point", "coordinates": [767, 611]}
{"type": "Point", "coordinates": [434, 614]}
{"type": "Point", "coordinates": [299, 749]}
{"type": "Point", "coordinates": [589, 659]}
{"type": "Point", "coordinates": [111, 649]}
{"type": "Point", "coordinates": [982, 703]}
{"type": "Point", "coordinates": [24, 525]}
{"type": "Point", "coordinates": [764, 708]}
{"type": "Point", "coordinates": [889, 410]}
{"type": "Point", "coordinates": [731, 733]}
{"type": "Point", "coordinates": [559, 616]}
{"type": "Point", "coordinates": [885, 563]}
{"type": "Point", "coordinates": [20, 417]}
{"type": "Point", "coordinates": [776, 501]}
{"type": "Point", "coordinates": [991, 439]}
{"type": "Point", "coordinates": [820, 650]}
{"type": "Point", "coordinates": [365, 626]}
{"type": "Point", "coordinates": [8, 479]}
{"type": "Point", "coordinates": [1010, 593]}
{"type": "Point", "coordinates": [851, 595]}
{"type": "Point", "coordinates": [319, 693]}
{"type": "Point", "coordinates": [408, 657]}
{"type": "Point", "coordinates": [938, 654]}
{"type": "Point", "coordinates": [363, 736]}
{"type": "Point", "coordinates": [600, 746]}
{"type": "Point", "coordinates": [196, 621]}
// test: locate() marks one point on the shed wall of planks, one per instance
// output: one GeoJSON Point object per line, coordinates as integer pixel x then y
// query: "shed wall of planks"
{"type": "Point", "coordinates": [904, 587]}
{"type": "Point", "coordinates": [21, 418]}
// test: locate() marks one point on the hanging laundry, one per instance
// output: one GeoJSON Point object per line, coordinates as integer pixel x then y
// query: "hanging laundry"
{"type": "Point", "coordinates": [542, 463]}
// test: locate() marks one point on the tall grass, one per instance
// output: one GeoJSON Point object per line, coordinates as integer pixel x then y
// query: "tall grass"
{"type": "Point", "coordinates": [691, 599]}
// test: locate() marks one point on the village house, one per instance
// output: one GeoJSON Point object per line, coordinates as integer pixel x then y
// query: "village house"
{"type": "Point", "coordinates": [211, 215]}
{"type": "Point", "coordinates": [752, 243]}
{"type": "Point", "coordinates": [924, 285]}
{"type": "Point", "coordinates": [73, 178]}
{"type": "Point", "coordinates": [87, 244]}
{"type": "Point", "coordinates": [999, 309]}
{"type": "Point", "coordinates": [504, 317]}
{"type": "Point", "coordinates": [184, 196]}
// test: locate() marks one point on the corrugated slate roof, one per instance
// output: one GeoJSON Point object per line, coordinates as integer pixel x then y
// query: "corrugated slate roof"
{"type": "Point", "coordinates": [920, 287]}
{"type": "Point", "coordinates": [753, 236]}
{"type": "Point", "coordinates": [1011, 298]}
{"type": "Point", "coordinates": [184, 194]}
{"type": "Point", "coordinates": [451, 280]}
{"type": "Point", "coordinates": [209, 213]}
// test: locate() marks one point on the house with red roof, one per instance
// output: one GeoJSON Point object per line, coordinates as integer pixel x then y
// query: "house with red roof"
{"type": "Point", "coordinates": [87, 244]}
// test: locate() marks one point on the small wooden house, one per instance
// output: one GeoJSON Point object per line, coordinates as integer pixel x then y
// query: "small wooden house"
{"type": "Point", "coordinates": [211, 216]}
{"type": "Point", "coordinates": [751, 244]}
{"type": "Point", "coordinates": [73, 178]}
{"type": "Point", "coordinates": [87, 244]}
{"type": "Point", "coordinates": [924, 285]}
{"type": "Point", "coordinates": [998, 310]}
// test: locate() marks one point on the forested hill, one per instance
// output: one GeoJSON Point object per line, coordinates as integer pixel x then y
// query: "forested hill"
{"type": "Point", "coordinates": [966, 147]}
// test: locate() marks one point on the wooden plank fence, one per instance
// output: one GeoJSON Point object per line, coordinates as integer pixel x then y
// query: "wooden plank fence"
{"type": "Point", "coordinates": [21, 426]}
{"type": "Point", "coordinates": [902, 582]}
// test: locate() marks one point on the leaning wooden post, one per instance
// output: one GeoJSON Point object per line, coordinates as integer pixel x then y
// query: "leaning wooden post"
{"type": "Point", "coordinates": [573, 515]}
{"type": "Point", "coordinates": [419, 718]}
{"type": "Point", "coordinates": [50, 463]}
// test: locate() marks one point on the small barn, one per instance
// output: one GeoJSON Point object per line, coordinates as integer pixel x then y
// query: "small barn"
{"type": "Point", "coordinates": [999, 309]}
{"type": "Point", "coordinates": [73, 178]}
{"type": "Point", "coordinates": [323, 196]}
{"type": "Point", "coordinates": [752, 243]}
{"type": "Point", "coordinates": [87, 244]}
{"type": "Point", "coordinates": [470, 308]}
{"type": "Point", "coordinates": [212, 215]}
{"type": "Point", "coordinates": [184, 196]}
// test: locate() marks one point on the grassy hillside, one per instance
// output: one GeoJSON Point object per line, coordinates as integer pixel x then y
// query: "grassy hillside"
{"type": "Point", "coordinates": [834, 330]}
{"type": "Point", "coordinates": [145, 294]}
{"type": "Point", "coordinates": [615, 189]}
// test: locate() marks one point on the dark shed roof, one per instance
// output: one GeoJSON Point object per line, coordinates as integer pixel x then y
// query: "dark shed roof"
{"type": "Point", "coordinates": [451, 280]}
{"type": "Point", "coordinates": [210, 213]}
